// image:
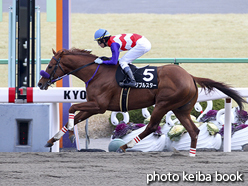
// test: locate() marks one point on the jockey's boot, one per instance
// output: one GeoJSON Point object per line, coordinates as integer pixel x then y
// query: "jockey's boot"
{"type": "Point", "coordinates": [132, 81]}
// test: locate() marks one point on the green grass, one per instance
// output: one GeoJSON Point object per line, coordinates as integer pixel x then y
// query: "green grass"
{"type": "Point", "coordinates": [172, 36]}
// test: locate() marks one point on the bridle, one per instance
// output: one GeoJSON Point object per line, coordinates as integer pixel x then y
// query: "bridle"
{"type": "Point", "coordinates": [55, 69]}
{"type": "Point", "coordinates": [51, 78]}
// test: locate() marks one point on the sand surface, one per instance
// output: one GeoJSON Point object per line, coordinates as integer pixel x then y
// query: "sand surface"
{"type": "Point", "coordinates": [131, 168]}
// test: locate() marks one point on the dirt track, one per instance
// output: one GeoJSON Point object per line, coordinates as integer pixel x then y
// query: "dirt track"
{"type": "Point", "coordinates": [105, 168]}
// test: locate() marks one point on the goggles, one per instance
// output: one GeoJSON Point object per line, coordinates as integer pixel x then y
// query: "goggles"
{"type": "Point", "coordinates": [100, 41]}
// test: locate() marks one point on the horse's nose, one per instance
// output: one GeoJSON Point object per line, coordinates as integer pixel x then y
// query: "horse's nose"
{"type": "Point", "coordinates": [40, 85]}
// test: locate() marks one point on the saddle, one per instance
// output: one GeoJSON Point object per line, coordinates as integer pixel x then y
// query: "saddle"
{"type": "Point", "coordinates": [146, 77]}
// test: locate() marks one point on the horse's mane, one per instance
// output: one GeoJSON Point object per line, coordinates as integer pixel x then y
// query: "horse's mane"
{"type": "Point", "coordinates": [77, 51]}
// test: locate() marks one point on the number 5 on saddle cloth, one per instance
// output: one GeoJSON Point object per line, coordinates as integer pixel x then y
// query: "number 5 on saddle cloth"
{"type": "Point", "coordinates": [146, 77]}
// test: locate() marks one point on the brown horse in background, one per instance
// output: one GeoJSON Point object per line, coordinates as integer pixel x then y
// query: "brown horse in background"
{"type": "Point", "coordinates": [177, 91]}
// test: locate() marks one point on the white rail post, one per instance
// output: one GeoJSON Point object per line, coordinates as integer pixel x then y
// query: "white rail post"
{"type": "Point", "coordinates": [227, 126]}
{"type": "Point", "coordinates": [38, 45]}
{"type": "Point", "coordinates": [55, 124]}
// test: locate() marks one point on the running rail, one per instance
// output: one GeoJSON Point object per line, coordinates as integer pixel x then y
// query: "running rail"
{"type": "Point", "coordinates": [78, 94]}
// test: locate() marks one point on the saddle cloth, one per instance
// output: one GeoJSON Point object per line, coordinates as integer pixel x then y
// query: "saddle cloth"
{"type": "Point", "coordinates": [146, 77]}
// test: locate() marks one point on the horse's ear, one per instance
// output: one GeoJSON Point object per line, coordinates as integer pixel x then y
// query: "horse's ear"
{"type": "Point", "coordinates": [61, 53]}
{"type": "Point", "coordinates": [54, 52]}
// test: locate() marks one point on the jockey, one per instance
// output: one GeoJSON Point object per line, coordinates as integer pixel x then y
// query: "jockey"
{"type": "Point", "coordinates": [135, 44]}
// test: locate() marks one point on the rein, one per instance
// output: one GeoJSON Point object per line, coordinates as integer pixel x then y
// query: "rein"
{"type": "Point", "coordinates": [50, 77]}
{"type": "Point", "coordinates": [59, 78]}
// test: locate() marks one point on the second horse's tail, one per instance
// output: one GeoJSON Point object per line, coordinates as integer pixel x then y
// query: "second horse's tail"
{"type": "Point", "coordinates": [209, 84]}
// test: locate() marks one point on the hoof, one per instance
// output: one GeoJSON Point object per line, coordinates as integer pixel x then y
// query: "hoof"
{"type": "Point", "coordinates": [120, 150]}
{"type": "Point", "coordinates": [49, 145]}
{"type": "Point", "coordinates": [72, 138]}
{"type": "Point", "coordinates": [191, 155]}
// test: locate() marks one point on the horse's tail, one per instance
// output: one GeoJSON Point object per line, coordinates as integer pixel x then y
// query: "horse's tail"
{"type": "Point", "coordinates": [209, 84]}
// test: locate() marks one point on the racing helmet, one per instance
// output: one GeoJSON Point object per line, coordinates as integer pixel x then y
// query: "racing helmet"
{"type": "Point", "coordinates": [101, 33]}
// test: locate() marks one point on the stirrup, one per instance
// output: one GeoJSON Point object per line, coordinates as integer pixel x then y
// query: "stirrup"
{"type": "Point", "coordinates": [128, 84]}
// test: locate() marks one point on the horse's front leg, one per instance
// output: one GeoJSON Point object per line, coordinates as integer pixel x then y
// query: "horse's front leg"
{"type": "Point", "coordinates": [81, 116]}
{"type": "Point", "coordinates": [86, 109]}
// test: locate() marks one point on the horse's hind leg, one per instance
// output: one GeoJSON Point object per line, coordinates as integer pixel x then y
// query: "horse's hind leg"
{"type": "Point", "coordinates": [157, 114]}
{"type": "Point", "coordinates": [186, 121]}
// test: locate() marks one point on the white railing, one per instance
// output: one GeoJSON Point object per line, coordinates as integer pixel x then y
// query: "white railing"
{"type": "Point", "coordinates": [78, 94]}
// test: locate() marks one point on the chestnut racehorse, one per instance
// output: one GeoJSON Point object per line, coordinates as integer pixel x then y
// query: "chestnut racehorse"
{"type": "Point", "coordinates": [177, 91]}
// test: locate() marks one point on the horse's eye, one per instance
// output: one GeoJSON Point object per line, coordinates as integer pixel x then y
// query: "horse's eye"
{"type": "Point", "coordinates": [50, 66]}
